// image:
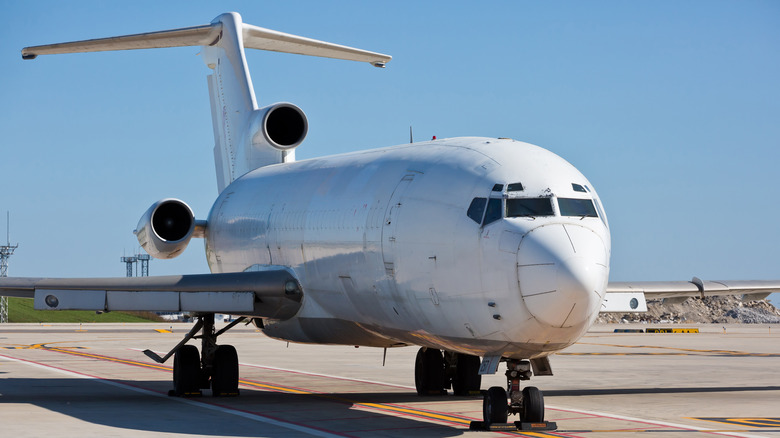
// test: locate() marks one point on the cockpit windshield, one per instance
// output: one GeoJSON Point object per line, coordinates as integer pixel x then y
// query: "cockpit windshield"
{"type": "Point", "coordinates": [577, 207]}
{"type": "Point", "coordinates": [529, 207]}
{"type": "Point", "coordinates": [503, 202]}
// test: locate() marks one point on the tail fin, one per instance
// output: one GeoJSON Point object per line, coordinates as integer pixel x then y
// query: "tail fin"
{"type": "Point", "coordinates": [246, 137]}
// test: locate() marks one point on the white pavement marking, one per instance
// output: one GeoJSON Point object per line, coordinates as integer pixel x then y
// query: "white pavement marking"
{"type": "Point", "coordinates": [735, 433]}
{"type": "Point", "coordinates": [247, 415]}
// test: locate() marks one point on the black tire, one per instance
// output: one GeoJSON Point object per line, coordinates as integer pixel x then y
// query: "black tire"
{"type": "Point", "coordinates": [186, 370]}
{"type": "Point", "coordinates": [419, 372]}
{"type": "Point", "coordinates": [467, 379]}
{"type": "Point", "coordinates": [495, 405]}
{"type": "Point", "coordinates": [533, 405]}
{"type": "Point", "coordinates": [429, 372]}
{"type": "Point", "coordinates": [224, 378]}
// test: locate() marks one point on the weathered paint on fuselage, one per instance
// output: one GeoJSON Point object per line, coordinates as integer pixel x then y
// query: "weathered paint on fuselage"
{"type": "Point", "coordinates": [386, 254]}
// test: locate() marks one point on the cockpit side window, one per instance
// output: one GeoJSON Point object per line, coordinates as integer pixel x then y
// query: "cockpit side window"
{"type": "Point", "coordinates": [577, 207]}
{"type": "Point", "coordinates": [514, 187]}
{"type": "Point", "coordinates": [477, 209]}
{"type": "Point", "coordinates": [498, 188]}
{"type": "Point", "coordinates": [529, 207]}
{"type": "Point", "coordinates": [494, 212]}
{"type": "Point", "coordinates": [578, 188]}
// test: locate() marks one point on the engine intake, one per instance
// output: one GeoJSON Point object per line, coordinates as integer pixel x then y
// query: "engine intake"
{"type": "Point", "coordinates": [283, 126]}
{"type": "Point", "coordinates": [166, 228]}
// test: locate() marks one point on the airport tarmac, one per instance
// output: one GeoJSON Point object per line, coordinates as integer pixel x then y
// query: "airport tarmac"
{"type": "Point", "coordinates": [92, 380]}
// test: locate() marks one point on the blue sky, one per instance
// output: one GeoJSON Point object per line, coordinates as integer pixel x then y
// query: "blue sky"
{"type": "Point", "coordinates": [671, 109]}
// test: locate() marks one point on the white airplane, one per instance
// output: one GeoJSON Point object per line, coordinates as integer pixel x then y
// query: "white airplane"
{"type": "Point", "coordinates": [467, 247]}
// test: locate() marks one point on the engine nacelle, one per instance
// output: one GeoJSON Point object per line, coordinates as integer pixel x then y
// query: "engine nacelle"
{"type": "Point", "coordinates": [282, 126]}
{"type": "Point", "coordinates": [166, 228]}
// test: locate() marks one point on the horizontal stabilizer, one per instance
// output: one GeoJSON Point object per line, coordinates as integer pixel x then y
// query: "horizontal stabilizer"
{"type": "Point", "coordinates": [210, 35]}
{"type": "Point", "coordinates": [266, 39]}
{"type": "Point", "coordinates": [189, 36]}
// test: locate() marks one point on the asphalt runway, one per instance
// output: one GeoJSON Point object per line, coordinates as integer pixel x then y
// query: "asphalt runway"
{"type": "Point", "coordinates": [93, 380]}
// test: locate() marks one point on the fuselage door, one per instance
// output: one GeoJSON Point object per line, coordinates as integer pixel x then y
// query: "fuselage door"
{"type": "Point", "coordinates": [390, 225]}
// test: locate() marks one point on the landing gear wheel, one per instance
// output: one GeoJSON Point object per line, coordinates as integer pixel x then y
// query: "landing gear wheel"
{"type": "Point", "coordinates": [467, 379]}
{"type": "Point", "coordinates": [533, 405]}
{"type": "Point", "coordinates": [186, 371]}
{"type": "Point", "coordinates": [224, 380]}
{"type": "Point", "coordinates": [429, 372]}
{"type": "Point", "coordinates": [495, 406]}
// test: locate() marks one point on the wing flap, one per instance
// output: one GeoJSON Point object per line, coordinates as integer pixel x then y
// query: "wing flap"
{"type": "Point", "coordinates": [135, 300]}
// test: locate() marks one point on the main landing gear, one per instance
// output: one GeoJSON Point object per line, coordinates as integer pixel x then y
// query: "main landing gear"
{"type": "Point", "coordinates": [528, 403]}
{"type": "Point", "coordinates": [435, 372]}
{"type": "Point", "coordinates": [216, 366]}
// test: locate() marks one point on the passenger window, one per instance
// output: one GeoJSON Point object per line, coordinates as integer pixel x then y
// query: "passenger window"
{"type": "Point", "coordinates": [577, 207]}
{"type": "Point", "coordinates": [477, 209]}
{"type": "Point", "coordinates": [529, 207]}
{"type": "Point", "coordinates": [493, 211]}
{"type": "Point", "coordinates": [515, 187]}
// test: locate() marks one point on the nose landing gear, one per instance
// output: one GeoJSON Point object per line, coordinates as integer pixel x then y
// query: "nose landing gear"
{"type": "Point", "coordinates": [528, 403]}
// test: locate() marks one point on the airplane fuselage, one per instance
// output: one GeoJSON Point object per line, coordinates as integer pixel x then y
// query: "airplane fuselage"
{"type": "Point", "coordinates": [474, 245]}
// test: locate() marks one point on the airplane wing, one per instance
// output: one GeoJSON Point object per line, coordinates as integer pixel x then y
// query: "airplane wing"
{"type": "Point", "coordinates": [630, 296]}
{"type": "Point", "coordinates": [272, 293]}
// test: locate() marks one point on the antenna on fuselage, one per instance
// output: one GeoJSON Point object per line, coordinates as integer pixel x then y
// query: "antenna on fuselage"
{"type": "Point", "coordinates": [411, 137]}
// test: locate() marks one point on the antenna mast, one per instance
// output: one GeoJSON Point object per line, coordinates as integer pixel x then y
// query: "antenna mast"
{"type": "Point", "coordinates": [6, 251]}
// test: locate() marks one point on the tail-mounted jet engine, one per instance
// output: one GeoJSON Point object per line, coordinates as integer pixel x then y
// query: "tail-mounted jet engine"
{"type": "Point", "coordinates": [283, 126]}
{"type": "Point", "coordinates": [167, 227]}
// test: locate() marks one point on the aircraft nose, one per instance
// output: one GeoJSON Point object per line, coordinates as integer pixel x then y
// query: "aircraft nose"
{"type": "Point", "coordinates": [562, 274]}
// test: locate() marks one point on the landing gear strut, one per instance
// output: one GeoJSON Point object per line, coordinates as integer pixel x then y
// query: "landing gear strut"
{"type": "Point", "coordinates": [216, 366]}
{"type": "Point", "coordinates": [531, 408]}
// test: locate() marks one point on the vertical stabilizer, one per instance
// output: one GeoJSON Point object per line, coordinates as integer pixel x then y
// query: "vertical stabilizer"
{"type": "Point", "coordinates": [246, 137]}
{"type": "Point", "coordinates": [233, 103]}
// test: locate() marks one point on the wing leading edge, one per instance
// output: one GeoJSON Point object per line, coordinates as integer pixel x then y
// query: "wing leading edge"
{"type": "Point", "coordinates": [271, 293]}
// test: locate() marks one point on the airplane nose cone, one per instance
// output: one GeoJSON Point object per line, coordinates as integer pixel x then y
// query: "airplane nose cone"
{"type": "Point", "coordinates": [562, 273]}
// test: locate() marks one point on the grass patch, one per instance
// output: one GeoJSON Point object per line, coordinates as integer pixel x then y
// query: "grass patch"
{"type": "Point", "coordinates": [21, 310]}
